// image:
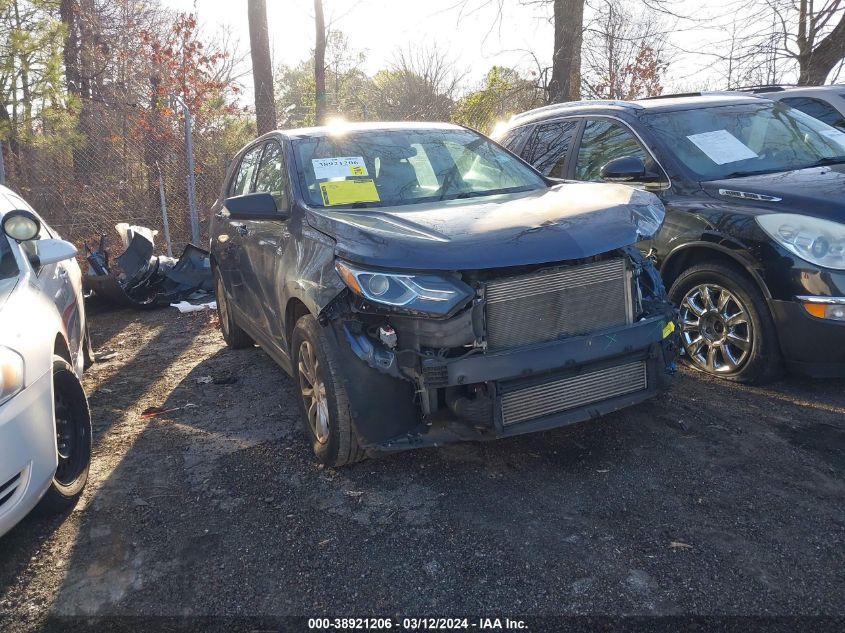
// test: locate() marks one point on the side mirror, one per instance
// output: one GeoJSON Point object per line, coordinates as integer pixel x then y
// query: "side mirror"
{"type": "Point", "coordinates": [21, 225]}
{"type": "Point", "coordinates": [255, 206]}
{"type": "Point", "coordinates": [53, 251]}
{"type": "Point", "coordinates": [624, 169]}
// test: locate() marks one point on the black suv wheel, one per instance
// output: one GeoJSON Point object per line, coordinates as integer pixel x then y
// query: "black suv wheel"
{"type": "Point", "coordinates": [726, 328]}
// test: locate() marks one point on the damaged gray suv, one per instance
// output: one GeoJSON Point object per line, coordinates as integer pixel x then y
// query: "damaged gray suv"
{"type": "Point", "coordinates": [422, 285]}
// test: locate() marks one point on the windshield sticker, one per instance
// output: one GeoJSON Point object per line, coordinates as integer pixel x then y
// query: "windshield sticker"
{"type": "Point", "coordinates": [722, 147]}
{"type": "Point", "coordinates": [341, 167]}
{"type": "Point", "coordinates": [348, 192]}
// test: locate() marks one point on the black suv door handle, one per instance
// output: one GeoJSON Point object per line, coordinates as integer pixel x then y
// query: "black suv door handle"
{"type": "Point", "coordinates": [242, 229]}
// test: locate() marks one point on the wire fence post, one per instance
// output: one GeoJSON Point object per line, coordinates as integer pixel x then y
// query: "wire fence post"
{"type": "Point", "coordinates": [165, 223]}
{"type": "Point", "coordinates": [2, 166]}
{"type": "Point", "coordinates": [192, 183]}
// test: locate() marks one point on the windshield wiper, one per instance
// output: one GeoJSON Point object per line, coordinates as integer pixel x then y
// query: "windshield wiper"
{"type": "Point", "coordinates": [491, 192]}
{"type": "Point", "coordinates": [757, 172]}
{"type": "Point", "coordinates": [830, 160]}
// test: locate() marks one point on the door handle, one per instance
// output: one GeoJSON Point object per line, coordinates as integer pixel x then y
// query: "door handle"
{"type": "Point", "coordinates": [242, 229]}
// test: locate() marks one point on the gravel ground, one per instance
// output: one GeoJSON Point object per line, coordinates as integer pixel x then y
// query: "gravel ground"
{"type": "Point", "coordinates": [715, 499]}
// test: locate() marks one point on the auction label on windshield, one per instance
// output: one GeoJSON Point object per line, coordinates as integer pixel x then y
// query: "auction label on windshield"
{"type": "Point", "coordinates": [722, 147]}
{"type": "Point", "coordinates": [348, 192]}
{"type": "Point", "coordinates": [340, 167]}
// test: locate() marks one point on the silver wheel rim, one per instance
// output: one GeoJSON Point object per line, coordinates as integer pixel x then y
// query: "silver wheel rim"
{"type": "Point", "coordinates": [221, 305]}
{"type": "Point", "coordinates": [716, 329]}
{"type": "Point", "coordinates": [313, 392]}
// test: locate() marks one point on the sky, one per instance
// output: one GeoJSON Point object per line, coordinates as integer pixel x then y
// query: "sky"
{"type": "Point", "coordinates": [470, 32]}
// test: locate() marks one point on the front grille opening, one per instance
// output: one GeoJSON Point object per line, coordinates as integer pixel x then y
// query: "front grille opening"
{"type": "Point", "coordinates": [8, 489]}
{"type": "Point", "coordinates": [554, 303]}
{"type": "Point", "coordinates": [564, 394]}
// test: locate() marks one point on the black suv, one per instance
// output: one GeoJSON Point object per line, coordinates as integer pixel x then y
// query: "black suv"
{"type": "Point", "coordinates": [423, 285]}
{"type": "Point", "coordinates": [753, 247]}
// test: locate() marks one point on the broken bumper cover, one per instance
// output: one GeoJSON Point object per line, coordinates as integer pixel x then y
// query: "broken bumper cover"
{"type": "Point", "coordinates": [563, 382]}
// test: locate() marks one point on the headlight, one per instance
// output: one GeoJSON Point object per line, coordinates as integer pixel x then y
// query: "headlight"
{"type": "Point", "coordinates": [820, 242]}
{"type": "Point", "coordinates": [11, 373]}
{"type": "Point", "coordinates": [649, 212]}
{"type": "Point", "coordinates": [430, 294]}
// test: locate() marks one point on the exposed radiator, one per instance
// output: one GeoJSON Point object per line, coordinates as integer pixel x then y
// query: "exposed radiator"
{"type": "Point", "coordinates": [551, 304]}
{"type": "Point", "coordinates": [556, 396]}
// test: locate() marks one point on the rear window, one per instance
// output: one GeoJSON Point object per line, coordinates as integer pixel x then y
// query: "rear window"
{"type": "Point", "coordinates": [8, 265]}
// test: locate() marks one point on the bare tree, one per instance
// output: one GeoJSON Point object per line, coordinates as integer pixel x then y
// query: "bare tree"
{"type": "Point", "coordinates": [320, 62]}
{"type": "Point", "coordinates": [262, 67]}
{"type": "Point", "coordinates": [565, 82]}
{"type": "Point", "coordinates": [624, 52]}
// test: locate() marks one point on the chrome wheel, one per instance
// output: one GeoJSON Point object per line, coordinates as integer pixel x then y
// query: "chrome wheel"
{"type": "Point", "coordinates": [313, 392]}
{"type": "Point", "coordinates": [716, 329]}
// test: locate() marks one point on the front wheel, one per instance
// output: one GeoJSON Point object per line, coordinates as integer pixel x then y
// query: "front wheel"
{"type": "Point", "coordinates": [322, 396]}
{"type": "Point", "coordinates": [726, 328]}
{"type": "Point", "coordinates": [73, 440]}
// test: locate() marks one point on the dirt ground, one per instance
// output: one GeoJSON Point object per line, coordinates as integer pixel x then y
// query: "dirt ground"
{"type": "Point", "coordinates": [715, 499]}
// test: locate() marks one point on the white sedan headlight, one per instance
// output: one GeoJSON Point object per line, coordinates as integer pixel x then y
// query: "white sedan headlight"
{"type": "Point", "coordinates": [11, 373]}
{"type": "Point", "coordinates": [820, 242]}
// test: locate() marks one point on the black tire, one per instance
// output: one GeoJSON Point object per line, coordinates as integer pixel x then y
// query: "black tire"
{"type": "Point", "coordinates": [338, 444]}
{"type": "Point", "coordinates": [760, 361]}
{"type": "Point", "coordinates": [73, 438]}
{"type": "Point", "coordinates": [232, 333]}
{"type": "Point", "coordinates": [87, 350]}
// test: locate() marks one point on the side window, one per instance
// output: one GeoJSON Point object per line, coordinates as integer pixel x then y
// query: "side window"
{"type": "Point", "coordinates": [246, 170]}
{"type": "Point", "coordinates": [603, 141]}
{"type": "Point", "coordinates": [817, 109]}
{"type": "Point", "coordinates": [513, 139]}
{"type": "Point", "coordinates": [8, 265]}
{"type": "Point", "coordinates": [548, 146]}
{"type": "Point", "coordinates": [271, 174]}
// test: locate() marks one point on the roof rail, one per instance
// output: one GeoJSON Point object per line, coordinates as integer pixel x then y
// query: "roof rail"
{"type": "Point", "coordinates": [575, 104]}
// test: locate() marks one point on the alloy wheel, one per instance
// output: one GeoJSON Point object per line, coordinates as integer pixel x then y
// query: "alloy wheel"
{"type": "Point", "coordinates": [716, 329]}
{"type": "Point", "coordinates": [313, 389]}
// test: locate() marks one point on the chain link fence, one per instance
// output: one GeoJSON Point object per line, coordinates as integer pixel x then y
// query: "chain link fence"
{"type": "Point", "coordinates": [104, 163]}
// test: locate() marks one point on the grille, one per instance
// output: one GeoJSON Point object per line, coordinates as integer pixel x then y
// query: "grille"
{"type": "Point", "coordinates": [555, 396]}
{"type": "Point", "coordinates": [8, 489]}
{"type": "Point", "coordinates": [548, 305]}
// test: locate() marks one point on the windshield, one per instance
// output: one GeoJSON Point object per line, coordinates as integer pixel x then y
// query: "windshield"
{"type": "Point", "coordinates": [736, 140]}
{"type": "Point", "coordinates": [382, 168]}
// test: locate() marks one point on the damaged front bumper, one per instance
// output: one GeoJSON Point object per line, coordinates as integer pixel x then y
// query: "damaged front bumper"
{"type": "Point", "coordinates": [486, 372]}
{"type": "Point", "coordinates": [548, 386]}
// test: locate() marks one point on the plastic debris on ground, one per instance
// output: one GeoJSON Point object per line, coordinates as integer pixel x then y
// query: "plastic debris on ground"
{"type": "Point", "coordinates": [137, 278]}
{"type": "Point", "coordinates": [187, 306]}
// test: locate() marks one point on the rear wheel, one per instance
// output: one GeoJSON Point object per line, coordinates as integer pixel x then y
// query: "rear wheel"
{"type": "Point", "coordinates": [73, 440]}
{"type": "Point", "coordinates": [322, 396]}
{"type": "Point", "coordinates": [726, 328]}
{"type": "Point", "coordinates": [232, 333]}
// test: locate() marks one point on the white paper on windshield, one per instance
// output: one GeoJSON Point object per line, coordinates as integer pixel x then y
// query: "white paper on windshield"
{"type": "Point", "coordinates": [722, 147]}
{"type": "Point", "coordinates": [836, 135]}
{"type": "Point", "coordinates": [340, 167]}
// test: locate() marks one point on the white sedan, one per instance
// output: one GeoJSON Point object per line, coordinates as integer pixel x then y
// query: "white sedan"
{"type": "Point", "coordinates": [45, 426]}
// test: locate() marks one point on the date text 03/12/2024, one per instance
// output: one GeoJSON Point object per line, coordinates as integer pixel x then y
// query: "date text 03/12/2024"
{"type": "Point", "coordinates": [416, 624]}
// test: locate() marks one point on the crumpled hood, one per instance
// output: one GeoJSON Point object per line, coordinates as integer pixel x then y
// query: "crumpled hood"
{"type": "Point", "coordinates": [568, 221]}
{"type": "Point", "coordinates": [817, 191]}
